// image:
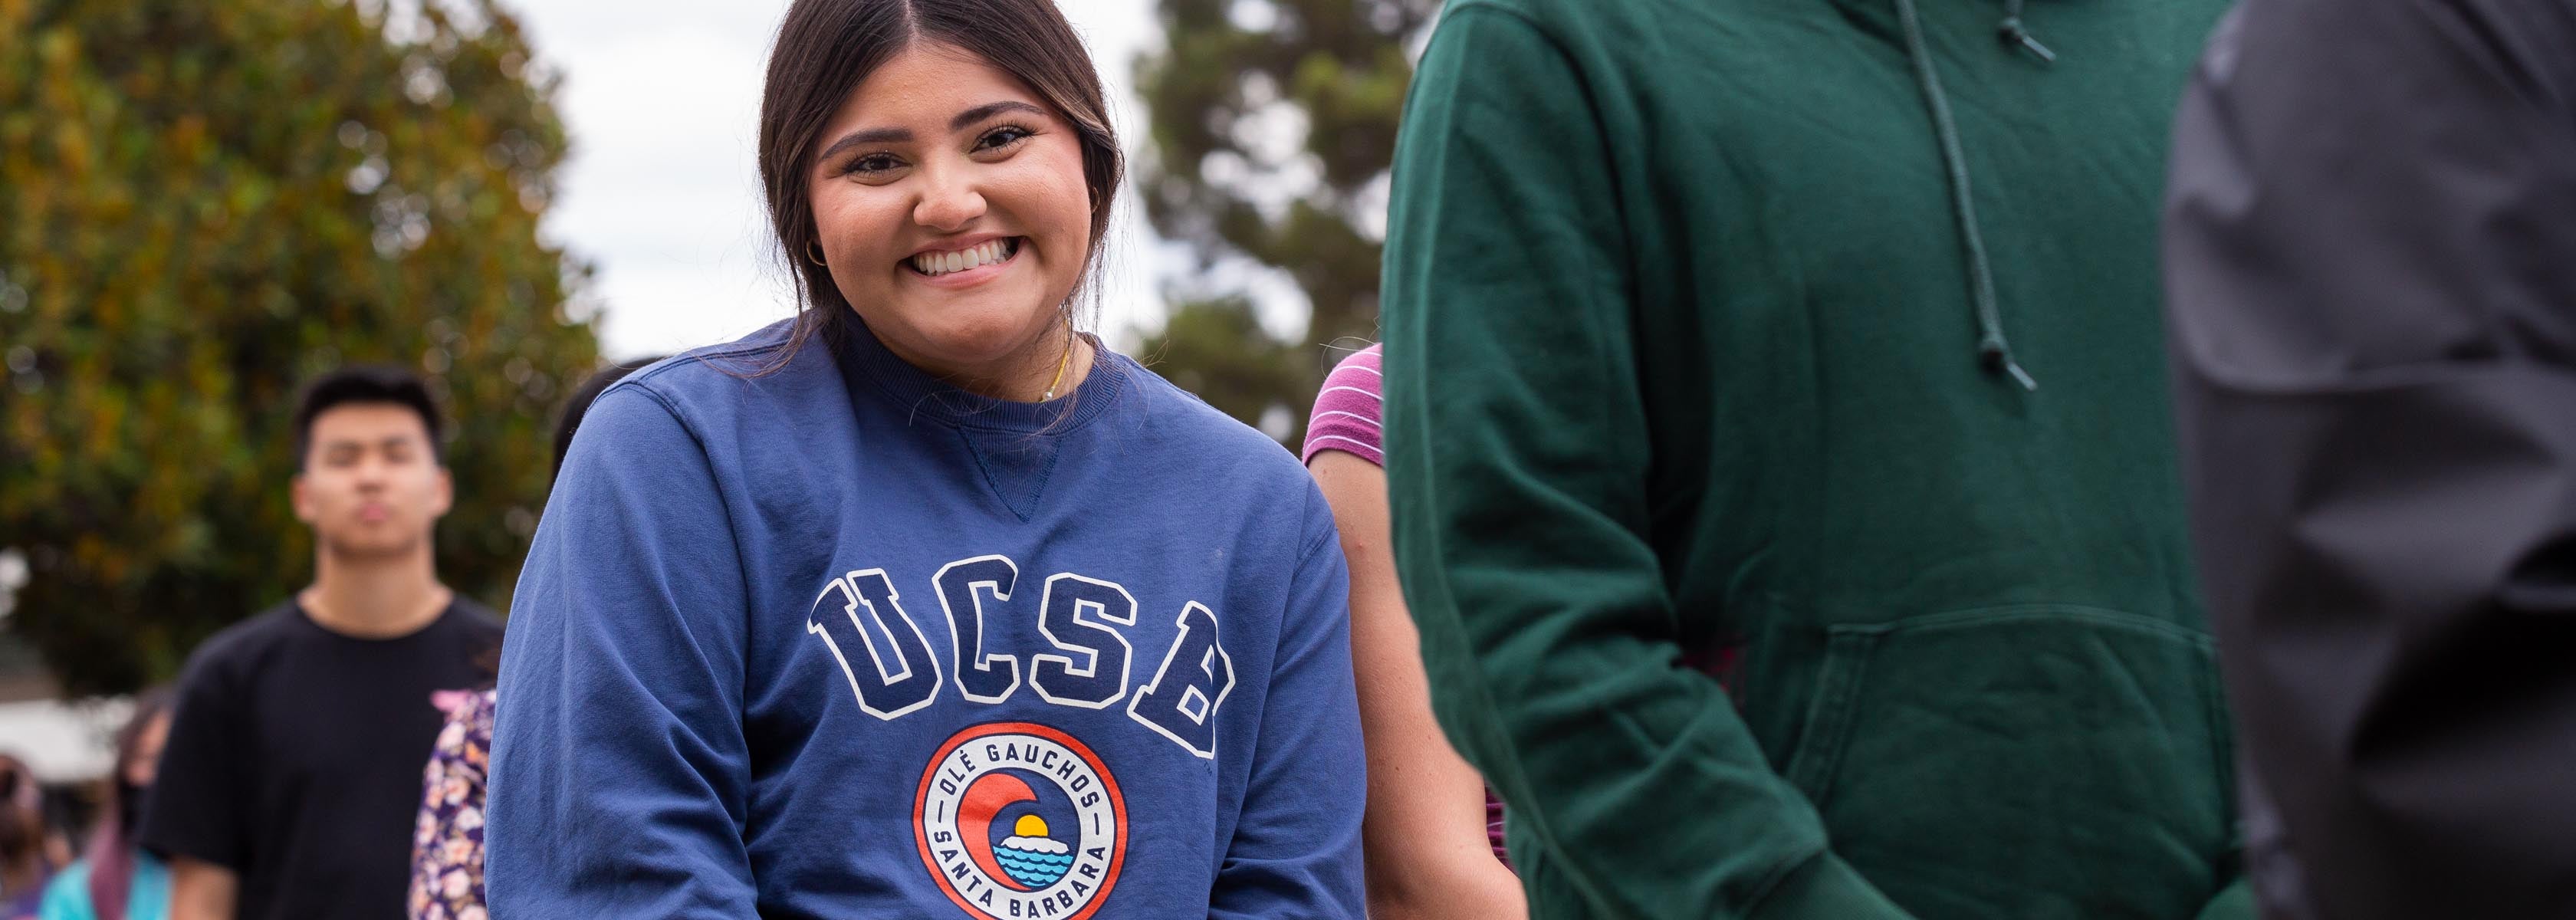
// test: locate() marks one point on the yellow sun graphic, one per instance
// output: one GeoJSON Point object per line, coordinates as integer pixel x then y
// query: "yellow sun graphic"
{"type": "Point", "coordinates": [1029, 826]}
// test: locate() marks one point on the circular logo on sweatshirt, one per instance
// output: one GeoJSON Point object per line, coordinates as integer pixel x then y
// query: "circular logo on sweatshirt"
{"type": "Point", "coordinates": [1016, 819]}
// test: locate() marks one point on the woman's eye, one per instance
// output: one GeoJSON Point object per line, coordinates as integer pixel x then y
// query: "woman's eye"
{"type": "Point", "coordinates": [872, 164]}
{"type": "Point", "coordinates": [1001, 137]}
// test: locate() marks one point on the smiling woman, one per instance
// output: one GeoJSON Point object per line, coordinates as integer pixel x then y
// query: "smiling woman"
{"type": "Point", "coordinates": [895, 609]}
{"type": "Point", "coordinates": [945, 180]}
{"type": "Point", "coordinates": [951, 214]}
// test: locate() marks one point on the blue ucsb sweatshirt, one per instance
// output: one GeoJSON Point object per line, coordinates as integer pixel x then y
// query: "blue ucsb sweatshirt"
{"type": "Point", "coordinates": [843, 641]}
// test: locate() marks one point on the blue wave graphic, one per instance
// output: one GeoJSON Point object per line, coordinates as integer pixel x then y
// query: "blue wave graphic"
{"type": "Point", "coordinates": [1036, 870]}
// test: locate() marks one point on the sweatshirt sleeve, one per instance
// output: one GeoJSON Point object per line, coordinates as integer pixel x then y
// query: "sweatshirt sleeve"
{"type": "Point", "coordinates": [619, 768]}
{"type": "Point", "coordinates": [2371, 310]}
{"type": "Point", "coordinates": [1518, 454]}
{"type": "Point", "coordinates": [1296, 847]}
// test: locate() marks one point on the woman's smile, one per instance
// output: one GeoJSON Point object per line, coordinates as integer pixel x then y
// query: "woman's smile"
{"type": "Point", "coordinates": [962, 266]}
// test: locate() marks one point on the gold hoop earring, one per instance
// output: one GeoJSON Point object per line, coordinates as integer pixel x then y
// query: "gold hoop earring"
{"type": "Point", "coordinates": [814, 254]}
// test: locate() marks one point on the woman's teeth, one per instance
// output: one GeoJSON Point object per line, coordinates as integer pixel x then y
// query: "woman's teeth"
{"type": "Point", "coordinates": [941, 263]}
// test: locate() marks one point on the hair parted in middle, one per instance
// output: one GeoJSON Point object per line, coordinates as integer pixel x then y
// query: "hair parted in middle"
{"type": "Point", "coordinates": [826, 48]}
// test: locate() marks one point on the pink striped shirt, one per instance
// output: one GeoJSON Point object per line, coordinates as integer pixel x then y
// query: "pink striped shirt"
{"type": "Point", "coordinates": [1347, 410]}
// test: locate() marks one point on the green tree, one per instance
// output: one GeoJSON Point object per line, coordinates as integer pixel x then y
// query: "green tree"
{"type": "Point", "coordinates": [1273, 124]}
{"type": "Point", "coordinates": [202, 203]}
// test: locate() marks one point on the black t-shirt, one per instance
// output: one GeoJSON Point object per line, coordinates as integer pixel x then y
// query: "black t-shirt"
{"type": "Point", "coordinates": [296, 755]}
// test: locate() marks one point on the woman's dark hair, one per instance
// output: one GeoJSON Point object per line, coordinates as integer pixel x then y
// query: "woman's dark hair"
{"type": "Point", "coordinates": [826, 48]}
{"type": "Point", "coordinates": [111, 845]}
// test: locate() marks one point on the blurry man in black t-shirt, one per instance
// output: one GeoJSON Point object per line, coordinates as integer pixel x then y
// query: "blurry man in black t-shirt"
{"type": "Point", "coordinates": [293, 771]}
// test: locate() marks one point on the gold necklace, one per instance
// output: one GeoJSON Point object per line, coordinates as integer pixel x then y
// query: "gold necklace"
{"type": "Point", "coordinates": [1061, 363]}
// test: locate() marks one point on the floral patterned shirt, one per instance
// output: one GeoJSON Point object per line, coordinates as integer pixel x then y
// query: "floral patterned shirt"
{"type": "Point", "coordinates": [447, 842]}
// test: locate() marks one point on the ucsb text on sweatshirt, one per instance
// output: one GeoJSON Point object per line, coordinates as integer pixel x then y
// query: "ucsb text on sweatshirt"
{"type": "Point", "coordinates": [839, 640]}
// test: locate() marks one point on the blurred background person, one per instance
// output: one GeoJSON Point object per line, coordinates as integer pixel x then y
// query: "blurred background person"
{"type": "Point", "coordinates": [29, 855]}
{"type": "Point", "coordinates": [1433, 835]}
{"type": "Point", "coordinates": [115, 879]}
{"type": "Point", "coordinates": [447, 842]}
{"type": "Point", "coordinates": [2370, 264]}
{"type": "Point", "coordinates": [291, 780]}
{"type": "Point", "coordinates": [389, 217]}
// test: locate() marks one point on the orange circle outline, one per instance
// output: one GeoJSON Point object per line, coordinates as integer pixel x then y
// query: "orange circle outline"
{"type": "Point", "coordinates": [1117, 807]}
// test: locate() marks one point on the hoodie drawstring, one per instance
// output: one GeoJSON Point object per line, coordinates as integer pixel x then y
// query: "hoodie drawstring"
{"type": "Point", "coordinates": [1992, 349]}
{"type": "Point", "coordinates": [2017, 35]}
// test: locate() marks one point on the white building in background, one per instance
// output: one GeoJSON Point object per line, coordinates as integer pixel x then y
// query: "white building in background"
{"type": "Point", "coordinates": [63, 742]}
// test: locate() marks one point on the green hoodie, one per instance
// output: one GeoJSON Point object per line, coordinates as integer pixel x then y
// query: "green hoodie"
{"type": "Point", "coordinates": [1826, 329]}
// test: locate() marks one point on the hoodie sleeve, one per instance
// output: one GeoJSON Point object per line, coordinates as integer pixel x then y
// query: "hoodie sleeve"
{"type": "Point", "coordinates": [2372, 315]}
{"type": "Point", "coordinates": [1518, 453]}
{"type": "Point", "coordinates": [619, 768]}
{"type": "Point", "coordinates": [1296, 847]}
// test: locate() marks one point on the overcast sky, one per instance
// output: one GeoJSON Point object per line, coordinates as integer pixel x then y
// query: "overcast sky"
{"type": "Point", "coordinates": [662, 194]}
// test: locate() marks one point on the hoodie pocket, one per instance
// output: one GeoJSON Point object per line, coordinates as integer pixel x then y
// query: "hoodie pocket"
{"type": "Point", "coordinates": [2023, 762]}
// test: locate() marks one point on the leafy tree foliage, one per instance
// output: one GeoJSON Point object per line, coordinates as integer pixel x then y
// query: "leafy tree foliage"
{"type": "Point", "coordinates": [202, 203]}
{"type": "Point", "coordinates": [1273, 124]}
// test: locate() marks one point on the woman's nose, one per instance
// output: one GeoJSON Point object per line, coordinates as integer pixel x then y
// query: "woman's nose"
{"type": "Point", "coordinates": [948, 204]}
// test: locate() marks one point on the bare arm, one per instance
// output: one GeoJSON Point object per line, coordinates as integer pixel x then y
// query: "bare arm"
{"type": "Point", "coordinates": [1425, 831]}
{"type": "Point", "coordinates": [200, 890]}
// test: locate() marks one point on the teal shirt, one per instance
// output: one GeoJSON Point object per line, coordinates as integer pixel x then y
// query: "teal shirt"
{"type": "Point", "coordinates": [1682, 356]}
{"type": "Point", "coordinates": [67, 898]}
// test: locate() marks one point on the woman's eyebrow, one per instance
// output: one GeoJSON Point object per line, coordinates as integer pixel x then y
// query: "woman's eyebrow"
{"type": "Point", "coordinates": [870, 136]}
{"type": "Point", "coordinates": [990, 109]}
{"type": "Point", "coordinates": [904, 135]}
